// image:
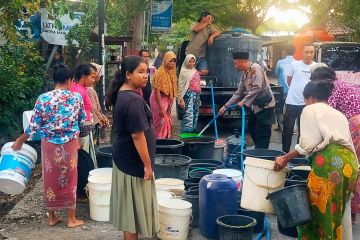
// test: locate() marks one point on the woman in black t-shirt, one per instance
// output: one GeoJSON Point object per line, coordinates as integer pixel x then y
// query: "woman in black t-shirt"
{"type": "Point", "coordinates": [133, 204]}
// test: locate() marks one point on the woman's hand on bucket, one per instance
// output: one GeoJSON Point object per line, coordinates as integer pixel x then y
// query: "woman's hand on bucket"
{"type": "Point", "coordinates": [280, 163]}
{"type": "Point", "coordinates": [19, 142]}
{"type": "Point", "coordinates": [148, 173]}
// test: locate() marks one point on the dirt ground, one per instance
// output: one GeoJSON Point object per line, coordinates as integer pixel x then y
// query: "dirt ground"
{"type": "Point", "coordinates": [7, 201]}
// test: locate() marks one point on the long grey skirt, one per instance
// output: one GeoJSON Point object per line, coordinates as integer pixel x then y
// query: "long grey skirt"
{"type": "Point", "coordinates": [133, 204]}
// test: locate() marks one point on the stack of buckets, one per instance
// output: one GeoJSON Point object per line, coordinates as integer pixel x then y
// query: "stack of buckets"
{"type": "Point", "coordinates": [15, 168]}
{"type": "Point", "coordinates": [99, 190]}
{"type": "Point", "coordinates": [174, 213]}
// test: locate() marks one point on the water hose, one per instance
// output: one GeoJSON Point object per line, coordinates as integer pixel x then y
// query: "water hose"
{"type": "Point", "coordinates": [212, 120]}
{"type": "Point", "coordinates": [268, 230]}
{"type": "Point", "coordinates": [242, 144]}
{"type": "Point", "coordinates": [265, 232]}
{"type": "Point", "coordinates": [213, 109]}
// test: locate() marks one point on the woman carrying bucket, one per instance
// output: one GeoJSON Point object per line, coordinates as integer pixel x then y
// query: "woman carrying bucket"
{"type": "Point", "coordinates": [133, 202]}
{"type": "Point", "coordinates": [345, 97]}
{"type": "Point", "coordinates": [59, 115]}
{"type": "Point", "coordinates": [189, 94]}
{"type": "Point", "coordinates": [325, 138]}
{"type": "Point", "coordinates": [163, 94]}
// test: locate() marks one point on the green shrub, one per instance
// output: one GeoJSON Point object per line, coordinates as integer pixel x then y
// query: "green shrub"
{"type": "Point", "coordinates": [21, 79]}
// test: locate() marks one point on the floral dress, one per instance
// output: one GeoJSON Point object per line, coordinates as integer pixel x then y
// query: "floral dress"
{"type": "Point", "coordinates": [58, 114]}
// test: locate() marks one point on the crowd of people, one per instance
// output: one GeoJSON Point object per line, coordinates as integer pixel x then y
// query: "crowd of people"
{"type": "Point", "coordinates": [327, 112]}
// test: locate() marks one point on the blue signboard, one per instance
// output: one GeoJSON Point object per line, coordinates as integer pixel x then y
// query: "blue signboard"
{"type": "Point", "coordinates": [161, 15]}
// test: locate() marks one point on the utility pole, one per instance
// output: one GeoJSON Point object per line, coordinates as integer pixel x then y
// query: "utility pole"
{"type": "Point", "coordinates": [101, 14]}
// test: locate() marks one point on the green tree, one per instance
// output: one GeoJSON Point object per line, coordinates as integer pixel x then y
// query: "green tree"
{"type": "Point", "coordinates": [248, 14]}
{"type": "Point", "coordinates": [21, 71]}
{"type": "Point", "coordinates": [180, 32]}
{"type": "Point", "coordinates": [348, 12]}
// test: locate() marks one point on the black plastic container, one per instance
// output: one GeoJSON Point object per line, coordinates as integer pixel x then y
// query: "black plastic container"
{"type": "Point", "coordinates": [295, 177]}
{"type": "Point", "coordinates": [291, 205]}
{"type": "Point", "coordinates": [263, 153]}
{"type": "Point", "coordinates": [192, 196]}
{"type": "Point", "coordinates": [199, 172]}
{"type": "Point", "coordinates": [171, 166]}
{"type": "Point", "coordinates": [169, 146]}
{"type": "Point", "coordinates": [191, 182]}
{"type": "Point", "coordinates": [199, 147]}
{"type": "Point", "coordinates": [236, 227]}
{"type": "Point", "coordinates": [104, 156]}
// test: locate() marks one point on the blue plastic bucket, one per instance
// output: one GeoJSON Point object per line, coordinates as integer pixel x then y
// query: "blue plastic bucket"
{"type": "Point", "coordinates": [15, 168]}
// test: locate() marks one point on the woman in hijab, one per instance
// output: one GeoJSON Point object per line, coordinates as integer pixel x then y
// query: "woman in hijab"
{"type": "Point", "coordinates": [163, 94]}
{"type": "Point", "coordinates": [189, 94]}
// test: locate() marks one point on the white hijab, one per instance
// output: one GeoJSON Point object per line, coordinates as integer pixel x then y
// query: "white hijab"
{"type": "Point", "coordinates": [185, 75]}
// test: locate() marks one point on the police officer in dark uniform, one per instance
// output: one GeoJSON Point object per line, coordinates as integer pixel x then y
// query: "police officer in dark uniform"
{"type": "Point", "coordinates": [255, 93]}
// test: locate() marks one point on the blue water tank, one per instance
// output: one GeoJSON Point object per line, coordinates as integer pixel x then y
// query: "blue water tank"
{"type": "Point", "coordinates": [217, 197]}
{"type": "Point", "coordinates": [220, 60]}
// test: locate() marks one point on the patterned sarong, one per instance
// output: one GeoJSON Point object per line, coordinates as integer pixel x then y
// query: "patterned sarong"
{"type": "Point", "coordinates": [191, 112]}
{"type": "Point", "coordinates": [330, 183]}
{"type": "Point", "coordinates": [59, 169]}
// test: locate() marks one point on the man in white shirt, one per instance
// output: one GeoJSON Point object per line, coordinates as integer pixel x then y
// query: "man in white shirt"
{"type": "Point", "coordinates": [298, 76]}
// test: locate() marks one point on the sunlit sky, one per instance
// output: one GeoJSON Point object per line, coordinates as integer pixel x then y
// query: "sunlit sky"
{"type": "Point", "coordinates": [286, 16]}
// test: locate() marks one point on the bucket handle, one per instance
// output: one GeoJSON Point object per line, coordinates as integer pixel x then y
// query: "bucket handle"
{"type": "Point", "coordinates": [262, 185]}
{"type": "Point", "coordinates": [296, 177]}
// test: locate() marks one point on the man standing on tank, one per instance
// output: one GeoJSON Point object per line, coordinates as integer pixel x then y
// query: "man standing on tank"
{"type": "Point", "coordinates": [203, 33]}
{"type": "Point", "coordinates": [255, 93]}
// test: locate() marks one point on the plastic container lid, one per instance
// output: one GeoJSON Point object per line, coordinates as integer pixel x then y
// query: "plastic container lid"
{"type": "Point", "coordinates": [169, 181]}
{"type": "Point", "coordinates": [175, 204]}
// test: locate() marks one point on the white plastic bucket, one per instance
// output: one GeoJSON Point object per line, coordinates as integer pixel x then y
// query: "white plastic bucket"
{"type": "Point", "coordinates": [99, 188]}
{"type": "Point", "coordinates": [259, 180]}
{"type": "Point", "coordinates": [26, 117]}
{"type": "Point", "coordinates": [236, 175]}
{"type": "Point", "coordinates": [15, 168]}
{"type": "Point", "coordinates": [163, 195]}
{"type": "Point", "coordinates": [101, 172]}
{"type": "Point", "coordinates": [219, 150]}
{"type": "Point", "coordinates": [169, 183]}
{"type": "Point", "coordinates": [174, 219]}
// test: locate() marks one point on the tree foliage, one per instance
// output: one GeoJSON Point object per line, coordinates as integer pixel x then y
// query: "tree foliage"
{"type": "Point", "coordinates": [21, 74]}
